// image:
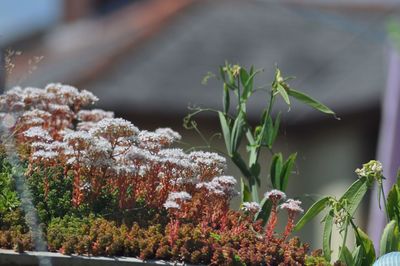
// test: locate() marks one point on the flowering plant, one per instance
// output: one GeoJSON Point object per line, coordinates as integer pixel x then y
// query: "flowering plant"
{"type": "Point", "coordinates": [82, 181]}
{"type": "Point", "coordinates": [77, 180]}
{"type": "Point", "coordinates": [236, 126]}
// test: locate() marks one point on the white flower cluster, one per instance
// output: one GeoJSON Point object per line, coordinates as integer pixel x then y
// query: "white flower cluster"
{"type": "Point", "coordinates": [51, 121]}
{"type": "Point", "coordinates": [252, 207]}
{"type": "Point", "coordinates": [53, 96]}
{"type": "Point", "coordinates": [174, 198]}
{"type": "Point", "coordinates": [371, 169]}
{"type": "Point", "coordinates": [154, 141]}
{"type": "Point", "coordinates": [37, 133]}
{"type": "Point", "coordinates": [209, 160]}
{"type": "Point", "coordinates": [89, 118]}
{"type": "Point", "coordinates": [220, 186]}
{"type": "Point", "coordinates": [275, 194]}
{"type": "Point", "coordinates": [114, 128]}
{"type": "Point", "coordinates": [292, 205]}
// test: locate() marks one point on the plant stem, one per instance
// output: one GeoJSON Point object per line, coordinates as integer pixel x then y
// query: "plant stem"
{"type": "Point", "coordinates": [345, 236]}
{"type": "Point", "coordinates": [384, 201]}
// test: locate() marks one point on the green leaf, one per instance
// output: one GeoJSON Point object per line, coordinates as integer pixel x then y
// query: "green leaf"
{"type": "Point", "coordinates": [393, 203]}
{"type": "Point", "coordinates": [346, 256]}
{"type": "Point", "coordinates": [286, 171]}
{"type": "Point", "coordinates": [354, 194]}
{"type": "Point", "coordinates": [367, 246]}
{"type": "Point", "coordinates": [244, 79]}
{"type": "Point", "coordinates": [265, 211]}
{"type": "Point", "coordinates": [215, 236]}
{"type": "Point", "coordinates": [226, 99]}
{"type": "Point", "coordinates": [275, 170]}
{"type": "Point", "coordinates": [237, 131]}
{"type": "Point", "coordinates": [248, 85]}
{"type": "Point", "coordinates": [268, 132]}
{"type": "Point", "coordinates": [250, 137]}
{"type": "Point", "coordinates": [313, 211]}
{"type": "Point", "coordinates": [357, 255]}
{"type": "Point", "coordinates": [309, 101]}
{"type": "Point", "coordinates": [327, 235]}
{"type": "Point", "coordinates": [240, 163]}
{"type": "Point", "coordinates": [255, 169]}
{"type": "Point", "coordinates": [390, 238]}
{"type": "Point", "coordinates": [225, 131]}
{"type": "Point", "coordinates": [244, 76]}
{"type": "Point", "coordinates": [246, 194]}
{"type": "Point", "coordinates": [281, 90]}
{"type": "Point", "coordinates": [276, 129]}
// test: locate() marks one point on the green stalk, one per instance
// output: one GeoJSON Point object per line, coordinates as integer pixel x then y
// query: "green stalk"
{"type": "Point", "coordinates": [345, 236]}
{"type": "Point", "coordinates": [384, 201]}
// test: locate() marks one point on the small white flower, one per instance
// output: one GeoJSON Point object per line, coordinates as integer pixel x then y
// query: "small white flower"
{"type": "Point", "coordinates": [114, 127]}
{"type": "Point", "coordinates": [77, 136]}
{"type": "Point", "coordinates": [182, 195]}
{"type": "Point", "coordinates": [252, 207]}
{"type": "Point", "coordinates": [226, 180]}
{"type": "Point", "coordinates": [275, 194]}
{"type": "Point", "coordinates": [37, 133]}
{"type": "Point", "coordinates": [292, 205]}
{"type": "Point", "coordinates": [371, 169]}
{"type": "Point", "coordinates": [94, 115]}
{"type": "Point", "coordinates": [169, 133]}
{"type": "Point", "coordinates": [171, 205]}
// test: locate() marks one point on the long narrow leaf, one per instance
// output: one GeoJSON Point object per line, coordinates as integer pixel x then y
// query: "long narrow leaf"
{"type": "Point", "coordinates": [367, 246]}
{"type": "Point", "coordinates": [393, 205]}
{"type": "Point", "coordinates": [313, 211]}
{"type": "Point", "coordinates": [309, 101]}
{"type": "Point", "coordinates": [286, 171]}
{"type": "Point", "coordinates": [276, 129]}
{"type": "Point", "coordinates": [327, 235]}
{"type": "Point", "coordinates": [240, 163]}
{"type": "Point", "coordinates": [237, 131]}
{"type": "Point", "coordinates": [246, 194]}
{"type": "Point", "coordinates": [266, 206]}
{"type": "Point", "coordinates": [357, 255]}
{"type": "Point", "coordinates": [281, 90]}
{"type": "Point", "coordinates": [244, 79]}
{"type": "Point", "coordinates": [354, 194]}
{"type": "Point", "coordinates": [268, 132]}
{"type": "Point", "coordinates": [225, 131]}
{"type": "Point", "coordinates": [226, 99]}
{"type": "Point", "coordinates": [275, 170]}
{"type": "Point", "coordinates": [346, 256]}
{"type": "Point", "coordinates": [389, 239]}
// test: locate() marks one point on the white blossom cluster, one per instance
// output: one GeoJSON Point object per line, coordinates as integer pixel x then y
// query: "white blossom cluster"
{"type": "Point", "coordinates": [275, 194]}
{"type": "Point", "coordinates": [175, 198]}
{"type": "Point", "coordinates": [220, 186]}
{"type": "Point", "coordinates": [371, 169]}
{"type": "Point", "coordinates": [58, 132]}
{"type": "Point", "coordinates": [252, 207]}
{"type": "Point", "coordinates": [37, 133]}
{"type": "Point", "coordinates": [53, 96]}
{"type": "Point", "coordinates": [292, 205]}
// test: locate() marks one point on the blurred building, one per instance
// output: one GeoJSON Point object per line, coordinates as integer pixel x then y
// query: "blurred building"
{"type": "Point", "coordinates": [146, 59]}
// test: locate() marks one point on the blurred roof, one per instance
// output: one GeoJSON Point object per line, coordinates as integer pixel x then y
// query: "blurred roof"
{"type": "Point", "coordinates": [338, 57]}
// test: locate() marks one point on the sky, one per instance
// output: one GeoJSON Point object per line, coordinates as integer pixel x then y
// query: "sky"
{"type": "Point", "coordinates": [19, 17]}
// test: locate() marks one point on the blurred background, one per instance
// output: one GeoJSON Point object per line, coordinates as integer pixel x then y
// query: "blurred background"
{"type": "Point", "coordinates": [145, 60]}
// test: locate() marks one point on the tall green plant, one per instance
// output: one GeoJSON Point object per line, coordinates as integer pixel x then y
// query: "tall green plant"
{"type": "Point", "coordinates": [340, 214]}
{"type": "Point", "coordinates": [237, 88]}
